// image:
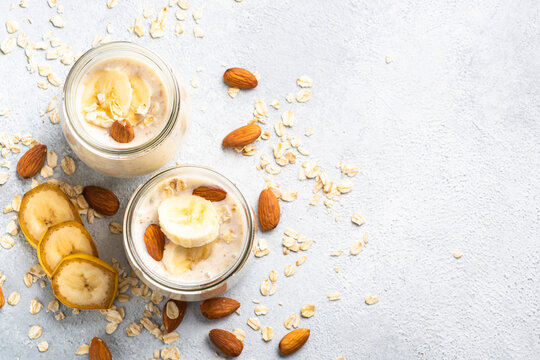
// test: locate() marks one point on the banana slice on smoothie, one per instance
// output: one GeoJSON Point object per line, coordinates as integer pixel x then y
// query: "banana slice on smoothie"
{"type": "Point", "coordinates": [42, 207]}
{"type": "Point", "coordinates": [188, 220]}
{"type": "Point", "coordinates": [61, 240]}
{"type": "Point", "coordinates": [140, 100]}
{"type": "Point", "coordinates": [177, 259]}
{"type": "Point", "coordinates": [85, 282]}
{"type": "Point", "coordinates": [110, 90]}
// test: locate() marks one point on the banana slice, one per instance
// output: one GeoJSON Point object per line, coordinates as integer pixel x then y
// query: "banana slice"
{"type": "Point", "coordinates": [85, 282]}
{"type": "Point", "coordinates": [140, 100]}
{"type": "Point", "coordinates": [177, 259]}
{"type": "Point", "coordinates": [110, 90]}
{"type": "Point", "coordinates": [42, 207]}
{"type": "Point", "coordinates": [189, 220]}
{"type": "Point", "coordinates": [61, 240]}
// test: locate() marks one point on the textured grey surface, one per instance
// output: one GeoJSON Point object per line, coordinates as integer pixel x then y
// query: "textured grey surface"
{"type": "Point", "coordinates": [447, 138]}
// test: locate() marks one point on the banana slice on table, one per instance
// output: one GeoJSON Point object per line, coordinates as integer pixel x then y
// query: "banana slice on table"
{"type": "Point", "coordinates": [42, 207]}
{"type": "Point", "coordinates": [189, 220]}
{"type": "Point", "coordinates": [140, 100]}
{"type": "Point", "coordinates": [110, 90]}
{"type": "Point", "coordinates": [61, 240]}
{"type": "Point", "coordinates": [177, 259]}
{"type": "Point", "coordinates": [85, 282]}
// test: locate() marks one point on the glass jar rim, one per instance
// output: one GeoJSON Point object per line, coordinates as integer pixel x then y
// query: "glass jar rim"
{"type": "Point", "coordinates": [217, 280]}
{"type": "Point", "coordinates": [69, 90]}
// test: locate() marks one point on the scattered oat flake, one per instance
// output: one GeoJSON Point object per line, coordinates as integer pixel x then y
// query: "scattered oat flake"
{"type": "Point", "coordinates": [115, 227]}
{"type": "Point", "coordinates": [334, 296]}
{"type": "Point", "coordinates": [6, 241]}
{"type": "Point", "coordinates": [14, 298]}
{"type": "Point", "coordinates": [301, 260]}
{"type": "Point", "coordinates": [83, 349]}
{"type": "Point", "coordinates": [57, 21]}
{"type": "Point", "coordinates": [35, 306]}
{"type": "Point", "coordinates": [111, 3]}
{"type": "Point", "coordinates": [370, 300]}
{"type": "Point", "coordinates": [4, 176]}
{"type": "Point", "coordinates": [388, 59]}
{"type": "Point", "coordinates": [303, 95]}
{"type": "Point", "coordinates": [197, 14]}
{"type": "Point", "coordinates": [43, 346]}
{"type": "Point", "coordinates": [233, 92]}
{"type": "Point", "coordinates": [254, 323]}
{"type": "Point", "coordinates": [357, 219]}
{"type": "Point", "coordinates": [289, 270]}
{"type": "Point", "coordinates": [139, 26]}
{"type": "Point", "coordinates": [304, 81]}
{"type": "Point", "coordinates": [457, 254]}
{"type": "Point", "coordinates": [179, 29]}
{"type": "Point", "coordinates": [356, 248]}
{"type": "Point", "coordinates": [288, 118]}
{"type": "Point", "coordinates": [183, 4]}
{"type": "Point", "coordinates": [239, 333]}
{"type": "Point", "coordinates": [308, 310]}
{"type": "Point", "coordinates": [293, 321]}
{"type": "Point", "coordinates": [68, 165]}
{"type": "Point", "coordinates": [267, 333]}
{"type": "Point", "coordinates": [289, 97]}
{"type": "Point", "coordinates": [12, 26]}
{"type": "Point", "coordinates": [35, 332]}
{"type": "Point", "coordinates": [54, 79]}
{"type": "Point", "coordinates": [7, 45]}
{"type": "Point", "coordinates": [198, 32]}
{"type": "Point", "coordinates": [171, 353]}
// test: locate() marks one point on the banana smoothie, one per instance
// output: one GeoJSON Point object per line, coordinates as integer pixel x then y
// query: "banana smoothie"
{"type": "Point", "coordinates": [188, 230]}
{"type": "Point", "coordinates": [123, 90]}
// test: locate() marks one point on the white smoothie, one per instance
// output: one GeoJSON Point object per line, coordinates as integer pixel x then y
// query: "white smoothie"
{"type": "Point", "coordinates": [208, 261]}
{"type": "Point", "coordinates": [122, 88]}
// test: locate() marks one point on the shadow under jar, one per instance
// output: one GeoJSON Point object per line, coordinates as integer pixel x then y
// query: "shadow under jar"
{"type": "Point", "coordinates": [125, 82]}
{"type": "Point", "coordinates": [210, 273]}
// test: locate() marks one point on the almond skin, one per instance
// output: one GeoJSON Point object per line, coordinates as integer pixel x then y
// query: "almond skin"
{"type": "Point", "coordinates": [293, 341]}
{"type": "Point", "coordinates": [2, 299]}
{"type": "Point", "coordinates": [171, 324]}
{"type": "Point", "coordinates": [269, 212]}
{"type": "Point", "coordinates": [226, 342]}
{"type": "Point", "coordinates": [242, 136]}
{"type": "Point", "coordinates": [154, 239]}
{"type": "Point", "coordinates": [99, 350]}
{"type": "Point", "coordinates": [32, 161]}
{"type": "Point", "coordinates": [219, 307]}
{"type": "Point", "coordinates": [122, 131]}
{"type": "Point", "coordinates": [240, 78]}
{"type": "Point", "coordinates": [102, 200]}
{"type": "Point", "coordinates": [210, 192]}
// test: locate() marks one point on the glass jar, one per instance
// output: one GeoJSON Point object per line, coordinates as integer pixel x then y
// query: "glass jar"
{"type": "Point", "coordinates": [145, 267]}
{"type": "Point", "coordinates": [124, 161]}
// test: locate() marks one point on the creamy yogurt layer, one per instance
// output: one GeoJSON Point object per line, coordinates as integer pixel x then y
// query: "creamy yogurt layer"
{"type": "Point", "coordinates": [203, 238]}
{"type": "Point", "coordinates": [123, 89]}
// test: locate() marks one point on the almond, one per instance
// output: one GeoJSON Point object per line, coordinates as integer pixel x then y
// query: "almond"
{"type": "Point", "coordinates": [32, 161]}
{"type": "Point", "coordinates": [102, 200]}
{"type": "Point", "coordinates": [99, 350]}
{"type": "Point", "coordinates": [2, 299]}
{"type": "Point", "coordinates": [240, 78]}
{"type": "Point", "coordinates": [242, 136]}
{"type": "Point", "coordinates": [269, 212]}
{"type": "Point", "coordinates": [219, 307]}
{"type": "Point", "coordinates": [154, 240]}
{"type": "Point", "coordinates": [171, 324]}
{"type": "Point", "coordinates": [293, 341]}
{"type": "Point", "coordinates": [226, 342]}
{"type": "Point", "coordinates": [122, 131]}
{"type": "Point", "coordinates": [210, 192]}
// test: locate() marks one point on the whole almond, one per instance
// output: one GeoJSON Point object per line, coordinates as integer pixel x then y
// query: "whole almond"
{"type": "Point", "coordinates": [293, 341]}
{"type": "Point", "coordinates": [154, 239]}
{"type": "Point", "coordinates": [122, 131]}
{"type": "Point", "coordinates": [269, 212]}
{"type": "Point", "coordinates": [210, 192]}
{"type": "Point", "coordinates": [102, 200]}
{"type": "Point", "coordinates": [242, 136]}
{"type": "Point", "coordinates": [2, 298]}
{"type": "Point", "coordinates": [32, 161]}
{"type": "Point", "coordinates": [240, 78]}
{"type": "Point", "coordinates": [171, 324]}
{"type": "Point", "coordinates": [219, 307]}
{"type": "Point", "coordinates": [226, 342]}
{"type": "Point", "coordinates": [99, 350]}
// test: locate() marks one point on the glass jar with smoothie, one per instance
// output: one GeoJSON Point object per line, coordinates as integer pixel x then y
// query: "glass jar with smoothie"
{"type": "Point", "coordinates": [123, 86]}
{"type": "Point", "coordinates": [188, 232]}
